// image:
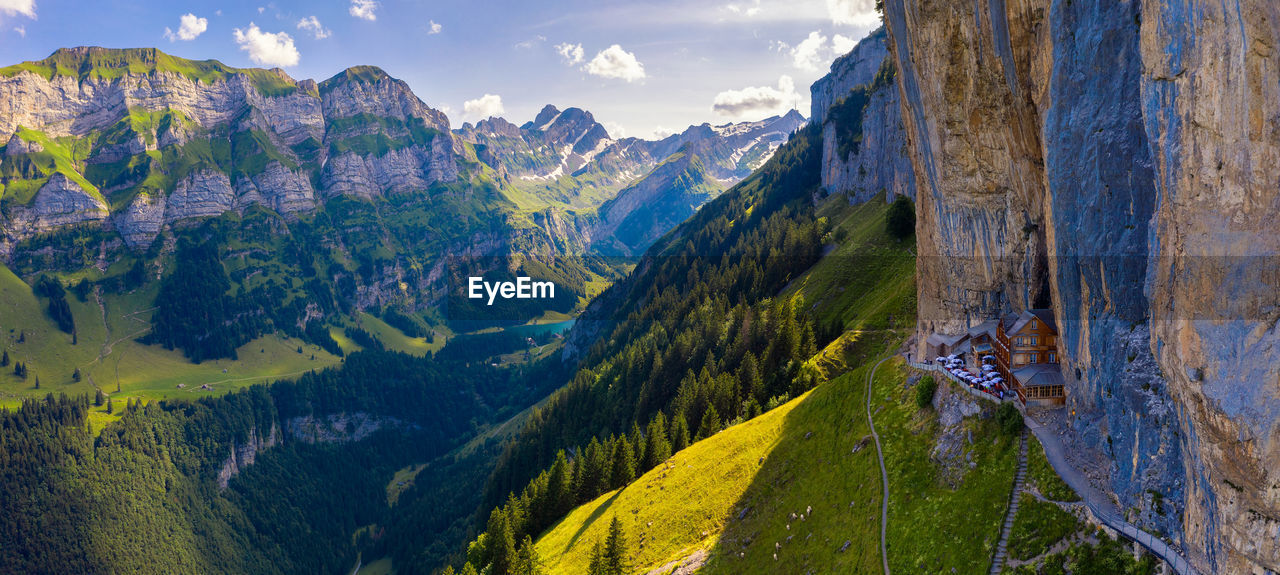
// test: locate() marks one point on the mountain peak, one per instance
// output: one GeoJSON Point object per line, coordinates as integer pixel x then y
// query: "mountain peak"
{"type": "Point", "coordinates": [92, 62]}
{"type": "Point", "coordinates": [544, 117]}
{"type": "Point", "coordinates": [98, 63]}
{"type": "Point", "coordinates": [357, 74]}
{"type": "Point", "coordinates": [793, 115]}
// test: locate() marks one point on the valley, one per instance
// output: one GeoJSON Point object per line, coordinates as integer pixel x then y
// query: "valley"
{"type": "Point", "coordinates": [257, 323]}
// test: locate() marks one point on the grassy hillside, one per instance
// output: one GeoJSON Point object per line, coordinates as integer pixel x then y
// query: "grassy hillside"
{"type": "Point", "coordinates": [741, 494]}
{"type": "Point", "coordinates": [961, 495]}
{"type": "Point", "coordinates": [674, 508]}
{"type": "Point", "coordinates": [109, 357]}
{"type": "Point", "coordinates": [94, 63]}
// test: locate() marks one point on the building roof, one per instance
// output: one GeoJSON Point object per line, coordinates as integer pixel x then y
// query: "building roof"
{"type": "Point", "coordinates": [1039, 374]}
{"type": "Point", "coordinates": [987, 327]}
{"type": "Point", "coordinates": [1044, 315]}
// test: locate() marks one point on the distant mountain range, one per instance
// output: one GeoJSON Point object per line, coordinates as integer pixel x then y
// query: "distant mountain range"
{"type": "Point", "coordinates": [137, 141]}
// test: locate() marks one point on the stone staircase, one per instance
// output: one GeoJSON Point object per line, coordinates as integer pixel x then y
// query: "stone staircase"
{"type": "Point", "coordinates": [1019, 480]}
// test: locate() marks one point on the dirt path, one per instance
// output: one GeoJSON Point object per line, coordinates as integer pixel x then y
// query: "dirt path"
{"type": "Point", "coordinates": [1019, 481]}
{"type": "Point", "coordinates": [108, 344]}
{"type": "Point", "coordinates": [1100, 505]}
{"type": "Point", "coordinates": [884, 475]}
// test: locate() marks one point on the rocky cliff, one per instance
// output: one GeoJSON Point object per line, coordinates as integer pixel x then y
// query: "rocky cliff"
{"type": "Point", "coordinates": [1116, 161]}
{"type": "Point", "coordinates": [171, 139]}
{"type": "Point", "coordinates": [644, 211]}
{"type": "Point", "coordinates": [565, 157]}
{"type": "Point", "coordinates": [864, 145]}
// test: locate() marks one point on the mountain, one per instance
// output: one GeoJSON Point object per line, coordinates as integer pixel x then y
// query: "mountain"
{"type": "Point", "coordinates": [120, 147]}
{"type": "Point", "coordinates": [663, 198]}
{"type": "Point", "coordinates": [1108, 162]}
{"type": "Point", "coordinates": [567, 158]}
{"type": "Point", "coordinates": [1111, 162]}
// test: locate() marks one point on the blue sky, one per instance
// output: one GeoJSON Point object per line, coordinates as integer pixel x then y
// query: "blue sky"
{"type": "Point", "coordinates": [642, 68]}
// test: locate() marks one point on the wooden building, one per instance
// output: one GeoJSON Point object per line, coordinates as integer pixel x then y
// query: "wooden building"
{"type": "Point", "coordinates": [1025, 347]}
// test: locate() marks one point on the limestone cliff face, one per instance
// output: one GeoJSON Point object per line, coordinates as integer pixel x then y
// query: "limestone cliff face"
{"type": "Point", "coordinates": [1118, 161]}
{"type": "Point", "coordinates": [361, 132]}
{"type": "Point", "coordinates": [861, 84]}
{"type": "Point", "coordinates": [62, 201]}
{"type": "Point", "coordinates": [1211, 105]}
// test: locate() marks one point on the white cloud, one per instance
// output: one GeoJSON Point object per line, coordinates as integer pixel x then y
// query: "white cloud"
{"type": "Point", "coordinates": [572, 53]}
{"type": "Point", "coordinates": [363, 9]}
{"type": "Point", "coordinates": [747, 9]}
{"type": "Point", "coordinates": [860, 13]}
{"type": "Point", "coordinates": [189, 27]}
{"type": "Point", "coordinates": [265, 48]}
{"type": "Point", "coordinates": [808, 54]}
{"type": "Point", "coordinates": [615, 129]}
{"type": "Point", "coordinates": [15, 7]}
{"type": "Point", "coordinates": [312, 24]}
{"type": "Point", "coordinates": [483, 107]}
{"type": "Point", "coordinates": [530, 43]}
{"type": "Point", "coordinates": [433, 27]}
{"type": "Point", "coordinates": [812, 53]}
{"type": "Point", "coordinates": [842, 44]}
{"type": "Point", "coordinates": [758, 101]}
{"type": "Point", "coordinates": [660, 132]}
{"type": "Point", "coordinates": [614, 62]}
{"type": "Point", "coordinates": [20, 30]}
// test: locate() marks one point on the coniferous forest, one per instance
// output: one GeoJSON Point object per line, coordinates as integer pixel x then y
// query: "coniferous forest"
{"type": "Point", "coordinates": [165, 469]}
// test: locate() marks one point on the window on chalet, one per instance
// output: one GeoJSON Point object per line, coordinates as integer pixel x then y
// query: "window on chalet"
{"type": "Point", "coordinates": [1053, 357]}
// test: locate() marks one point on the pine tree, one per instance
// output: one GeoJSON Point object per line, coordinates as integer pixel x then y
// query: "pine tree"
{"type": "Point", "coordinates": [111, 407]}
{"type": "Point", "coordinates": [4, 360]}
{"type": "Point", "coordinates": [900, 220]}
{"type": "Point", "coordinates": [710, 423]}
{"type": "Point", "coordinates": [37, 382]}
{"type": "Point", "coordinates": [527, 561]}
{"type": "Point", "coordinates": [749, 376]}
{"type": "Point", "coordinates": [657, 448]}
{"type": "Point", "coordinates": [98, 398]}
{"type": "Point", "coordinates": [595, 471]}
{"type": "Point", "coordinates": [616, 560]}
{"type": "Point", "coordinates": [624, 463]}
{"type": "Point", "coordinates": [596, 566]}
{"type": "Point", "coordinates": [559, 499]}
{"type": "Point", "coordinates": [679, 433]}
{"type": "Point", "coordinates": [637, 443]}
{"type": "Point", "coordinates": [502, 545]}
{"type": "Point", "coordinates": [75, 375]}
{"type": "Point", "coordinates": [468, 569]}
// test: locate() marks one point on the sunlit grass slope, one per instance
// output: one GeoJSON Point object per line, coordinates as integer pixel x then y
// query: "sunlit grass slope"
{"type": "Point", "coordinates": [109, 357]}
{"type": "Point", "coordinates": [675, 508]}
